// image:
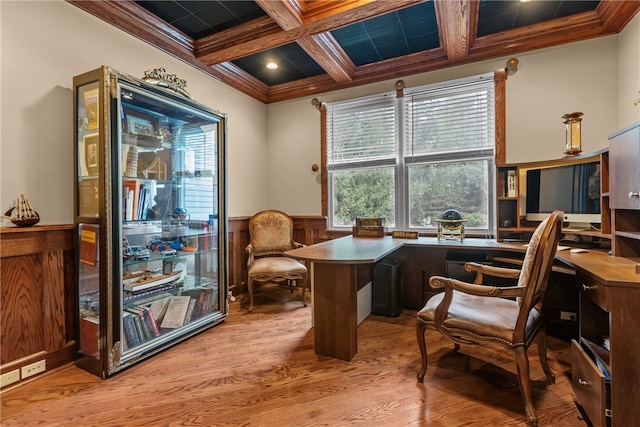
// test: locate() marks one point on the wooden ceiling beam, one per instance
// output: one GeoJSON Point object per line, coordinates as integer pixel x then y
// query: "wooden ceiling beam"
{"type": "Point", "coordinates": [327, 52]}
{"type": "Point", "coordinates": [322, 48]}
{"type": "Point", "coordinates": [616, 14]}
{"type": "Point", "coordinates": [454, 23]}
{"type": "Point", "coordinates": [359, 10]}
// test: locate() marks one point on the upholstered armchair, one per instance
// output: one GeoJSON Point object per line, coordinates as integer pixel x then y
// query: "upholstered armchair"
{"type": "Point", "coordinates": [271, 234]}
{"type": "Point", "coordinates": [476, 314]}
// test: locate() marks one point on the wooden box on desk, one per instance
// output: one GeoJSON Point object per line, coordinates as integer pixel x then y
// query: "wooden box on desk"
{"type": "Point", "coordinates": [368, 231]}
{"type": "Point", "coordinates": [368, 227]}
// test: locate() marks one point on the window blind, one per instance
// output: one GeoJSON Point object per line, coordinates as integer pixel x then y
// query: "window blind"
{"type": "Point", "coordinates": [361, 130]}
{"type": "Point", "coordinates": [455, 117]}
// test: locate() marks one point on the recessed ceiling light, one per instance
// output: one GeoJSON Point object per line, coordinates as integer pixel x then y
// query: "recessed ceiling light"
{"type": "Point", "coordinates": [272, 65]}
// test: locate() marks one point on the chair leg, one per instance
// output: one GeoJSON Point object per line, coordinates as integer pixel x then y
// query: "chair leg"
{"type": "Point", "coordinates": [542, 354]}
{"type": "Point", "coordinates": [420, 332]}
{"type": "Point", "coordinates": [522, 362]}
{"type": "Point", "coordinates": [250, 288]}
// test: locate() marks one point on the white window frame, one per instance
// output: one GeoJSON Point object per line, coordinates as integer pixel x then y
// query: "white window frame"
{"type": "Point", "coordinates": [401, 162]}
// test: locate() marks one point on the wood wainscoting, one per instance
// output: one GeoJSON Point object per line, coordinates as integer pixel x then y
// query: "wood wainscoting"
{"type": "Point", "coordinates": [38, 293]}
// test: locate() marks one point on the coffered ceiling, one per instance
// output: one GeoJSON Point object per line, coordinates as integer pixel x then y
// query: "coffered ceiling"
{"type": "Point", "coordinates": [324, 45]}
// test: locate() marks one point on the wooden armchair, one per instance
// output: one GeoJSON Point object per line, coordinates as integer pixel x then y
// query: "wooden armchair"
{"type": "Point", "coordinates": [476, 314]}
{"type": "Point", "coordinates": [271, 234]}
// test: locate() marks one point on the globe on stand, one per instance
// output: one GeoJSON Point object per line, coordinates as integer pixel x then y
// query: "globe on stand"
{"type": "Point", "coordinates": [453, 222]}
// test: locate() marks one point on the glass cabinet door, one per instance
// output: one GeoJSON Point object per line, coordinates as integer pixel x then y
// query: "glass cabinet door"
{"type": "Point", "coordinates": [151, 219]}
{"type": "Point", "coordinates": [169, 195]}
{"type": "Point", "coordinates": [88, 208]}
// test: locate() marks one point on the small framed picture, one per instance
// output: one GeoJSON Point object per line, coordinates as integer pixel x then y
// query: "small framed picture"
{"type": "Point", "coordinates": [91, 150]}
{"type": "Point", "coordinates": [91, 108]}
{"type": "Point", "coordinates": [139, 123]}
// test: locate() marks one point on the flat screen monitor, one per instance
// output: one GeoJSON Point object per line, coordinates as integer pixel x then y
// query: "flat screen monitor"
{"type": "Point", "coordinates": [574, 189]}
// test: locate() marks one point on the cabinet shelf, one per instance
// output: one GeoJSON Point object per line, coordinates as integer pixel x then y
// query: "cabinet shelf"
{"type": "Point", "coordinates": [635, 235]}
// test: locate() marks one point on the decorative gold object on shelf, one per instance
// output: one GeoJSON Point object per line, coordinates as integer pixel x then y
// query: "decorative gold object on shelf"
{"type": "Point", "coordinates": [156, 170]}
{"type": "Point", "coordinates": [159, 77]}
{"type": "Point", "coordinates": [452, 221]}
{"type": "Point", "coordinates": [573, 134]}
{"type": "Point", "coordinates": [22, 215]}
{"type": "Point", "coordinates": [131, 166]}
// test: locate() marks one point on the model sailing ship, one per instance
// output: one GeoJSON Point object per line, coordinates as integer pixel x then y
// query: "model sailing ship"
{"type": "Point", "coordinates": [137, 281]}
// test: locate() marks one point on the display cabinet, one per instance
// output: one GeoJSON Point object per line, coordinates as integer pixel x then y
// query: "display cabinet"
{"type": "Point", "coordinates": [150, 216]}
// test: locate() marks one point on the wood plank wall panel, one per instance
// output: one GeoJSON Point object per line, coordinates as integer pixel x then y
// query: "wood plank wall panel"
{"type": "Point", "coordinates": [37, 296]}
{"type": "Point", "coordinates": [22, 307]}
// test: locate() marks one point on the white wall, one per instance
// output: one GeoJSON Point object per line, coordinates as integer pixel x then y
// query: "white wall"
{"type": "Point", "coordinates": [44, 44]}
{"type": "Point", "coordinates": [629, 73]}
{"type": "Point", "coordinates": [271, 148]}
{"type": "Point", "coordinates": [549, 83]}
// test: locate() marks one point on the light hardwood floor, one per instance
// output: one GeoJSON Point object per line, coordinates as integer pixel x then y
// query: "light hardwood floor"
{"type": "Point", "coordinates": [260, 369]}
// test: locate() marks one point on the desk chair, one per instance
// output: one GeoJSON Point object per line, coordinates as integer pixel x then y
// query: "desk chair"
{"type": "Point", "coordinates": [271, 234]}
{"type": "Point", "coordinates": [476, 314]}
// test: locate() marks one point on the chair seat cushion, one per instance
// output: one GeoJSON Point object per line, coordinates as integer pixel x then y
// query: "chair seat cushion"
{"type": "Point", "coordinates": [277, 266]}
{"type": "Point", "coordinates": [484, 318]}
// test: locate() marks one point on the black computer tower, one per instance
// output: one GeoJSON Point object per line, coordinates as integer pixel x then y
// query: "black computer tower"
{"type": "Point", "coordinates": [387, 288]}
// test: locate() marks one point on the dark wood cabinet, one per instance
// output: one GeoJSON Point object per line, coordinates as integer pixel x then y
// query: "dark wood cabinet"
{"type": "Point", "coordinates": [605, 369]}
{"type": "Point", "coordinates": [624, 158]}
{"type": "Point", "coordinates": [624, 154]}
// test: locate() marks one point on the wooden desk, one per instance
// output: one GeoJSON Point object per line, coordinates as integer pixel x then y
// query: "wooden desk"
{"type": "Point", "coordinates": [341, 267]}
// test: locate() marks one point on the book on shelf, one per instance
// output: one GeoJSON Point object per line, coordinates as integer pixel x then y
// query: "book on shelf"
{"type": "Point", "coordinates": [159, 306]}
{"type": "Point", "coordinates": [129, 329]}
{"type": "Point", "coordinates": [512, 183]}
{"type": "Point", "coordinates": [151, 320]}
{"type": "Point", "coordinates": [130, 193]}
{"type": "Point", "coordinates": [148, 324]}
{"type": "Point", "coordinates": [190, 310]}
{"type": "Point", "coordinates": [176, 312]}
{"type": "Point", "coordinates": [89, 204]}
{"type": "Point", "coordinates": [89, 244]}
{"type": "Point", "coordinates": [89, 335]}
{"type": "Point", "coordinates": [501, 187]}
{"type": "Point", "coordinates": [137, 322]}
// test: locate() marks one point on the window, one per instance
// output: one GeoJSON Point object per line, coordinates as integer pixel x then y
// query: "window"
{"type": "Point", "coordinates": [196, 156]}
{"type": "Point", "coordinates": [408, 159]}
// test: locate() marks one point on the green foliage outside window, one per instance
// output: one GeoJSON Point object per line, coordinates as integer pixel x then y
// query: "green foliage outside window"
{"type": "Point", "coordinates": [364, 193]}
{"type": "Point", "coordinates": [436, 187]}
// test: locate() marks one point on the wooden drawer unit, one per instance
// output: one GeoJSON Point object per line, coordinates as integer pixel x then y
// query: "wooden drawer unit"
{"type": "Point", "coordinates": [592, 289]}
{"type": "Point", "coordinates": [590, 356]}
{"type": "Point", "coordinates": [591, 387]}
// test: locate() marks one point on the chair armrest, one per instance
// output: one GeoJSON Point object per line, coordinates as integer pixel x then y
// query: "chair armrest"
{"type": "Point", "coordinates": [489, 270]}
{"type": "Point", "coordinates": [450, 284]}
{"type": "Point", "coordinates": [249, 250]}
{"type": "Point", "coordinates": [297, 245]}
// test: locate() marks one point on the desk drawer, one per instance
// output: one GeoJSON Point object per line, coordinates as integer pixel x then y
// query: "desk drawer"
{"type": "Point", "coordinates": [589, 386]}
{"type": "Point", "coordinates": [593, 290]}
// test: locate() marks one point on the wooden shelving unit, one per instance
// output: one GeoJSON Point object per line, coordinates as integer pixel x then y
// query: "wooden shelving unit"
{"type": "Point", "coordinates": [512, 208]}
